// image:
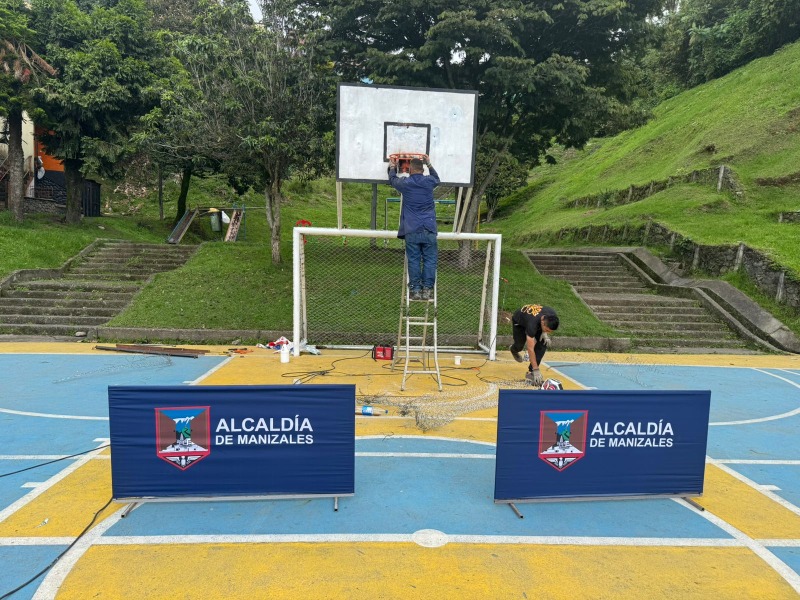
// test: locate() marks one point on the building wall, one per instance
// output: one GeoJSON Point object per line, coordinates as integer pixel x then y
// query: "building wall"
{"type": "Point", "coordinates": [28, 145]}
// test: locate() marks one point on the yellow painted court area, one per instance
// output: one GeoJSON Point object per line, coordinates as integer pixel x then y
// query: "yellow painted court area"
{"type": "Point", "coordinates": [357, 570]}
{"type": "Point", "coordinates": [65, 505]}
{"type": "Point", "coordinates": [745, 508]}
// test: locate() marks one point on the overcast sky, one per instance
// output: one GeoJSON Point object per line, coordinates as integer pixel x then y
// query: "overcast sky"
{"type": "Point", "coordinates": [254, 9]}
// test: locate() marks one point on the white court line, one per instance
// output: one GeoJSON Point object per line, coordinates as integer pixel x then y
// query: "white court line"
{"type": "Point", "coordinates": [758, 548]}
{"type": "Point", "coordinates": [772, 496]}
{"type": "Point", "coordinates": [791, 413]}
{"type": "Point", "coordinates": [55, 577]}
{"type": "Point", "coordinates": [389, 436]}
{"type": "Point", "coordinates": [36, 541]}
{"type": "Point", "coordinates": [747, 461]}
{"type": "Point", "coordinates": [425, 455]}
{"type": "Point", "coordinates": [403, 537]}
{"type": "Point", "coordinates": [48, 457]}
{"type": "Point", "coordinates": [51, 416]}
{"type": "Point", "coordinates": [35, 493]}
{"type": "Point", "coordinates": [33, 456]}
{"type": "Point", "coordinates": [211, 371]}
{"type": "Point", "coordinates": [152, 540]}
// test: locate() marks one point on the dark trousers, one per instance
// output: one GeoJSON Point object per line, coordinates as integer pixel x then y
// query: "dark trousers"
{"type": "Point", "coordinates": [521, 338]}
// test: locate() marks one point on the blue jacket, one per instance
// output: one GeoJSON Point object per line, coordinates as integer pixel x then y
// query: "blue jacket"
{"type": "Point", "coordinates": [419, 210]}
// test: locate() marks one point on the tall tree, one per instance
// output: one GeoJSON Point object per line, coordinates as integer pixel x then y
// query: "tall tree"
{"type": "Point", "coordinates": [108, 58]}
{"type": "Point", "coordinates": [547, 71]}
{"type": "Point", "coordinates": [266, 96]}
{"type": "Point", "coordinates": [19, 66]}
{"type": "Point", "coordinates": [705, 39]}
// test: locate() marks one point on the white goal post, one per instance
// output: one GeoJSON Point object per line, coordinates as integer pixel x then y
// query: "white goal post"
{"type": "Point", "coordinates": [348, 285]}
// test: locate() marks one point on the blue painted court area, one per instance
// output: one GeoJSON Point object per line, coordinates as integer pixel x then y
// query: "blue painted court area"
{"type": "Point", "coordinates": [400, 494]}
{"type": "Point", "coordinates": [58, 404]}
{"type": "Point", "coordinates": [34, 558]}
{"type": "Point", "coordinates": [761, 402]}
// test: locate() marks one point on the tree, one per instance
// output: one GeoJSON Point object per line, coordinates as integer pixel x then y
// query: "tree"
{"type": "Point", "coordinates": [109, 60]}
{"type": "Point", "coordinates": [19, 67]}
{"type": "Point", "coordinates": [705, 39]}
{"type": "Point", "coordinates": [266, 96]}
{"type": "Point", "coordinates": [547, 71]}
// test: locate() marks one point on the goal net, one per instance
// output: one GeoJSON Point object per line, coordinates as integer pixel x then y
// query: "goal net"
{"type": "Point", "coordinates": [349, 285]}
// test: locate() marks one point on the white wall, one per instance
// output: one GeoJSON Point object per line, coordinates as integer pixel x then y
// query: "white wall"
{"type": "Point", "coordinates": [27, 142]}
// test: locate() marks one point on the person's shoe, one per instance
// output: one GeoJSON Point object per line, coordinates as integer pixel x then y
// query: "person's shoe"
{"type": "Point", "coordinates": [427, 294]}
{"type": "Point", "coordinates": [517, 356]}
{"type": "Point", "coordinates": [416, 295]}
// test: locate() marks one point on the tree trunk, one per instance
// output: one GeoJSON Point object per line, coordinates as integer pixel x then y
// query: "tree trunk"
{"type": "Point", "coordinates": [74, 180]}
{"type": "Point", "coordinates": [473, 212]}
{"type": "Point", "coordinates": [186, 178]}
{"type": "Point", "coordinates": [16, 167]}
{"type": "Point", "coordinates": [273, 207]}
{"type": "Point", "coordinates": [160, 193]}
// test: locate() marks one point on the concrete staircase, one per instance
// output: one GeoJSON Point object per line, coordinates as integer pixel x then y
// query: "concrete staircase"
{"type": "Point", "coordinates": [88, 292]}
{"type": "Point", "coordinates": [620, 298]}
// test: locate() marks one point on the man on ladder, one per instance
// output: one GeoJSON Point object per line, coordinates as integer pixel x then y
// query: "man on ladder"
{"type": "Point", "coordinates": [418, 228]}
{"type": "Point", "coordinates": [418, 224]}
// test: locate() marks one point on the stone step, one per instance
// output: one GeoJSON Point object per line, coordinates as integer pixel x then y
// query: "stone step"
{"type": "Point", "coordinates": [589, 278]}
{"type": "Point", "coordinates": [675, 333]}
{"type": "Point", "coordinates": [694, 326]}
{"type": "Point", "coordinates": [67, 285]}
{"type": "Point", "coordinates": [669, 313]}
{"type": "Point", "coordinates": [705, 342]}
{"type": "Point", "coordinates": [632, 316]}
{"type": "Point", "coordinates": [608, 288]}
{"type": "Point", "coordinates": [78, 320]}
{"type": "Point", "coordinates": [109, 276]}
{"type": "Point", "coordinates": [42, 304]}
{"type": "Point", "coordinates": [132, 261]}
{"type": "Point", "coordinates": [91, 311]}
{"type": "Point", "coordinates": [54, 295]}
{"type": "Point", "coordinates": [574, 258]}
{"type": "Point", "coordinates": [636, 300]}
{"type": "Point", "coordinates": [567, 270]}
{"type": "Point", "coordinates": [92, 272]}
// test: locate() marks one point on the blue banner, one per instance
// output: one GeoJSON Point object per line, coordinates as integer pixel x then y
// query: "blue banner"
{"type": "Point", "coordinates": [587, 443]}
{"type": "Point", "coordinates": [232, 440]}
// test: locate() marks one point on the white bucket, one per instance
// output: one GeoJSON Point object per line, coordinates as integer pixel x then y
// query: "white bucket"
{"type": "Point", "coordinates": [285, 353]}
{"type": "Point", "coordinates": [457, 360]}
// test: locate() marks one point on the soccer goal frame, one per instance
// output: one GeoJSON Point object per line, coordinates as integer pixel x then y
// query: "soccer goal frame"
{"type": "Point", "coordinates": [481, 251]}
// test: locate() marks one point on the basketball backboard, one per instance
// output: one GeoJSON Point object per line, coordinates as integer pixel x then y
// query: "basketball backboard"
{"type": "Point", "coordinates": [375, 121]}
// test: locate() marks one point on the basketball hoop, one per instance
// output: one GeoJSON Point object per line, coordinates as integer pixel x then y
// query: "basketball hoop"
{"type": "Point", "coordinates": [403, 160]}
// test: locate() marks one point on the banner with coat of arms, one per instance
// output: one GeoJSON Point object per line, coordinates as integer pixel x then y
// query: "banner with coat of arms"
{"type": "Point", "coordinates": [221, 441]}
{"type": "Point", "coordinates": [596, 443]}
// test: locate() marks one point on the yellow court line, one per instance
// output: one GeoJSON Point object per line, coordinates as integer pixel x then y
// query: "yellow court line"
{"type": "Point", "coordinates": [363, 570]}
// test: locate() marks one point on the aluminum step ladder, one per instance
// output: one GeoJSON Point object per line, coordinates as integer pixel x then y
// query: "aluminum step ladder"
{"type": "Point", "coordinates": [417, 336]}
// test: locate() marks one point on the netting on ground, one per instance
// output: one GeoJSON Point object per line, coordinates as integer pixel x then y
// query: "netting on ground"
{"type": "Point", "coordinates": [431, 411]}
{"type": "Point", "coordinates": [352, 289]}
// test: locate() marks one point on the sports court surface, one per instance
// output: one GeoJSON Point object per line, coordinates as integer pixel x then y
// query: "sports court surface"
{"type": "Point", "coordinates": [422, 523]}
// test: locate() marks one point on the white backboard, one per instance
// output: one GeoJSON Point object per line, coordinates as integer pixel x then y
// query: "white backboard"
{"type": "Point", "coordinates": [377, 120]}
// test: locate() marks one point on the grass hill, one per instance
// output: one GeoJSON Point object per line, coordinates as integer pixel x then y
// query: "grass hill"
{"type": "Point", "coordinates": [748, 121]}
